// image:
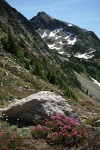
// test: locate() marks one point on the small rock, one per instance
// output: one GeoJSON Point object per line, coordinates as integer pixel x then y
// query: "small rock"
{"type": "Point", "coordinates": [96, 123]}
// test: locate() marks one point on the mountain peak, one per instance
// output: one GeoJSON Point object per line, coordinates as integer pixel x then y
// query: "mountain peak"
{"type": "Point", "coordinates": [43, 16]}
{"type": "Point", "coordinates": [43, 20]}
{"type": "Point", "coordinates": [41, 13]}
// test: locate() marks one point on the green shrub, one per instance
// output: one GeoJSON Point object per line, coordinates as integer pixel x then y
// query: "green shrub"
{"type": "Point", "coordinates": [89, 121]}
{"type": "Point", "coordinates": [70, 93]}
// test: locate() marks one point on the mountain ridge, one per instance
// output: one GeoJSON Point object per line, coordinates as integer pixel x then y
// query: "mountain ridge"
{"type": "Point", "coordinates": [43, 23]}
{"type": "Point", "coordinates": [44, 16]}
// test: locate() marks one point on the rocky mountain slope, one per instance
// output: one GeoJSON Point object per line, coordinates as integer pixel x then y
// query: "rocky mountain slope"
{"type": "Point", "coordinates": [77, 47]}
{"type": "Point", "coordinates": [22, 53]}
{"type": "Point", "coordinates": [28, 65]}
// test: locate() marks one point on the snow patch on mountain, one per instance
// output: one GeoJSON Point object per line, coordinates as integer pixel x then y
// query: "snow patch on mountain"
{"type": "Point", "coordinates": [85, 55]}
{"type": "Point", "coordinates": [66, 37]}
{"type": "Point", "coordinates": [52, 34]}
{"type": "Point", "coordinates": [57, 30]}
{"type": "Point", "coordinates": [57, 48]}
{"type": "Point", "coordinates": [61, 52]}
{"type": "Point", "coordinates": [57, 37]}
{"type": "Point", "coordinates": [44, 35]}
{"type": "Point", "coordinates": [72, 42]}
{"type": "Point", "coordinates": [91, 51]}
{"type": "Point", "coordinates": [70, 25]}
{"type": "Point", "coordinates": [95, 81]}
{"type": "Point", "coordinates": [60, 42]}
{"type": "Point", "coordinates": [53, 47]}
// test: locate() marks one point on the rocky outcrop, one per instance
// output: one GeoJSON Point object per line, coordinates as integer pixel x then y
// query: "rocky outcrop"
{"type": "Point", "coordinates": [42, 104]}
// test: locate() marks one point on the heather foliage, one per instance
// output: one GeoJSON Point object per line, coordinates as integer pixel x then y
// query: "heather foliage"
{"type": "Point", "coordinates": [60, 129]}
{"type": "Point", "coordinates": [9, 139]}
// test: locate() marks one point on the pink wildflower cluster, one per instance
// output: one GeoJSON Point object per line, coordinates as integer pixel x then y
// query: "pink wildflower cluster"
{"type": "Point", "coordinates": [60, 129]}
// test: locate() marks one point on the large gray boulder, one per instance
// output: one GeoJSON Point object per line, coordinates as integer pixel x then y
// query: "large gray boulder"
{"type": "Point", "coordinates": [42, 104]}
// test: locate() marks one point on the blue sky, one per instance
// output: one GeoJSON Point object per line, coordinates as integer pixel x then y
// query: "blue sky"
{"type": "Point", "coordinates": [83, 13]}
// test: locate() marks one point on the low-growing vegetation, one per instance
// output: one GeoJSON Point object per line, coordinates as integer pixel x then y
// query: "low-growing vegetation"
{"type": "Point", "coordinates": [89, 121]}
{"type": "Point", "coordinates": [9, 138]}
{"type": "Point", "coordinates": [60, 129]}
{"type": "Point", "coordinates": [54, 132]}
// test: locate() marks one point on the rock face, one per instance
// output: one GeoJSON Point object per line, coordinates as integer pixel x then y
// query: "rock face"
{"type": "Point", "coordinates": [42, 104]}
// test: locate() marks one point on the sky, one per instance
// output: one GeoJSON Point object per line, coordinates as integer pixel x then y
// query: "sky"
{"type": "Point", "coordinates": [83, 13]}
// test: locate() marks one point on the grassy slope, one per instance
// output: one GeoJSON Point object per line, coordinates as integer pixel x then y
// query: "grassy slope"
{"type": "Point", "coordinates": [17, 82]}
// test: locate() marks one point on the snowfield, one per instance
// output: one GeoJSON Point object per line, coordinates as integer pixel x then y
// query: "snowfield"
{"type": "Point", "coordinates": [95, 81]}
{"type": "Point", "coordinates": [85, 55]}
